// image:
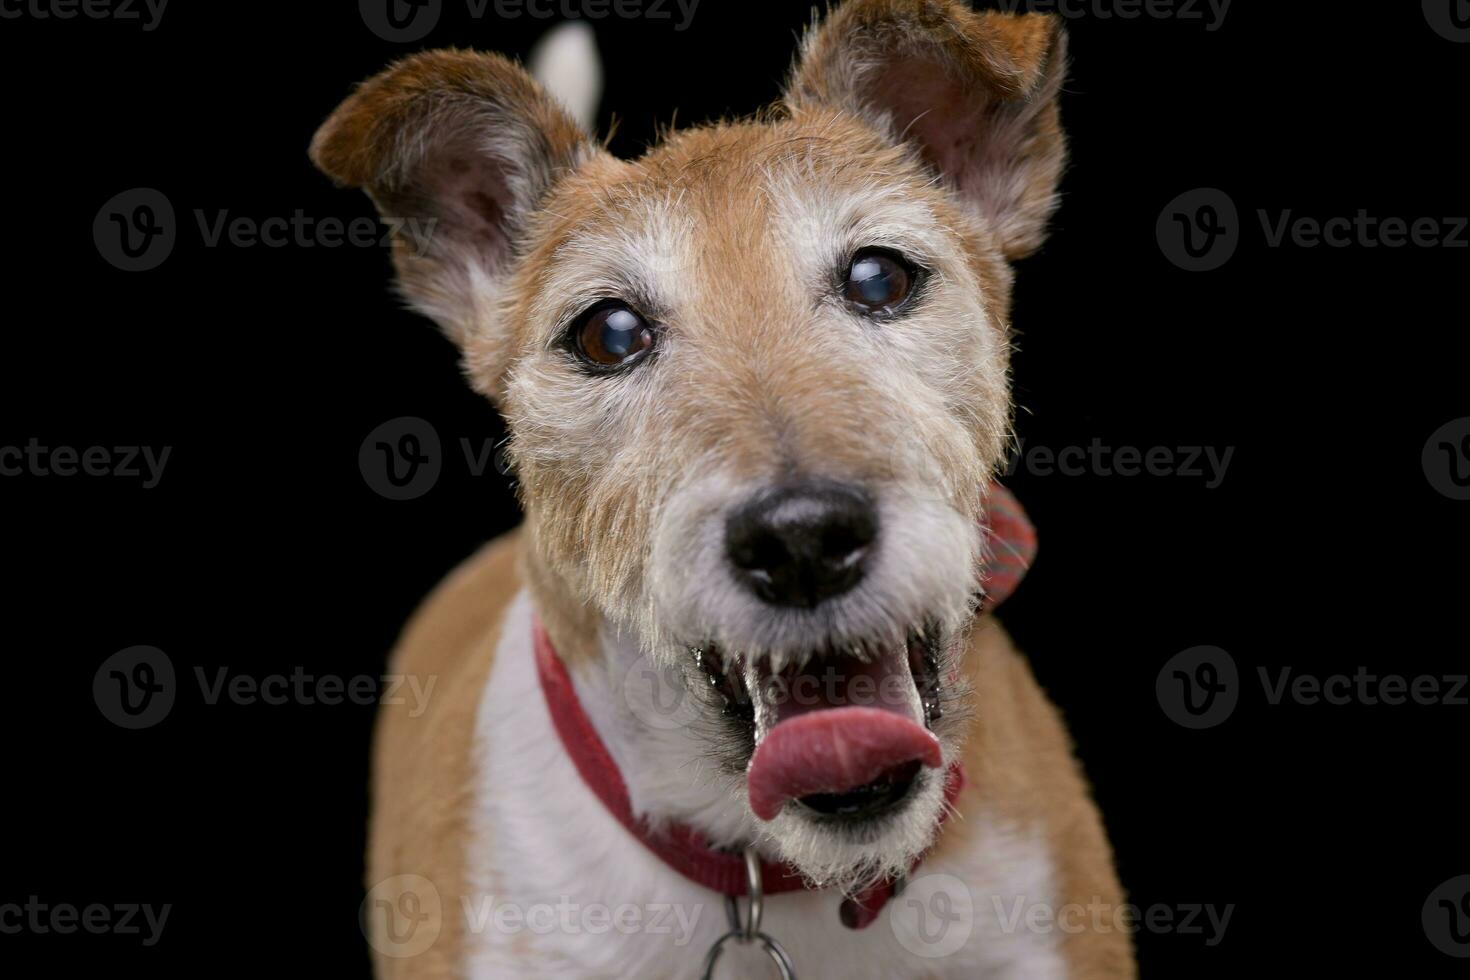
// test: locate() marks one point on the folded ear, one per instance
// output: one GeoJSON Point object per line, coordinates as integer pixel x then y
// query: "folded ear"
{"type": "Point", "coordinates": [974, 93]}
{"type": "Point", "coordinates": [456, 148]}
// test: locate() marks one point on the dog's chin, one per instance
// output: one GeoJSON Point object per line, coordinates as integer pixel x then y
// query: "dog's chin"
{"type": "Point", "coordinates": [852, 854]}
{"type": "Point", "coordinates": [843, 752]}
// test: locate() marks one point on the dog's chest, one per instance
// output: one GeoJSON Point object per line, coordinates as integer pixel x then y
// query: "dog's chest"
{"type": "Point", "coordinates": [559, 889]}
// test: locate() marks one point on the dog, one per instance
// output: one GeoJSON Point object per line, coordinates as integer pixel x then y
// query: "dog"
{"type": "Point", "coordinates": [757, 386]}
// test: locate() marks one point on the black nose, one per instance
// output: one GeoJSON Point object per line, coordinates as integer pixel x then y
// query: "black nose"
{"type": "Point", "coordinates": [801, 544]}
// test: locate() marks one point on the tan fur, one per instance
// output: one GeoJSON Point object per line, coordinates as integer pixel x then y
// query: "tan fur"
{"type": "Point", "coordinates": [1019, 760]}
{"type": "Point", "coordinates": [422, 767]}
{"type": "Point", "coordinates": [943, 124]}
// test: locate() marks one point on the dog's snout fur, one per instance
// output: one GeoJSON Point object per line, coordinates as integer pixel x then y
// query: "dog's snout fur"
{"type": "Point", "coordinates": [802, 543]}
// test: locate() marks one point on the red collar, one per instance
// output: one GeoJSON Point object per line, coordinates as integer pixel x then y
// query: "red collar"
{"type": "Point", "coordinates": [1011, 544]}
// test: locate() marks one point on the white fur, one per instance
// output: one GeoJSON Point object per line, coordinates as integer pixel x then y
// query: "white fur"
{"type": "Point", "coordinates": [542, 837]}
{"type": "Point", "coordinates": [565, 62]}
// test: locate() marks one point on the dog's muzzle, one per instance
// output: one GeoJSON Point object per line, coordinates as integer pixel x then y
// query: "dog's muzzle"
{"type": "Point", "coordinates": [843, 731]}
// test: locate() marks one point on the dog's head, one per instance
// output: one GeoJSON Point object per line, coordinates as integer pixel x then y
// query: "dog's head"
{"type": "Point", "coordinates": [756, 380]}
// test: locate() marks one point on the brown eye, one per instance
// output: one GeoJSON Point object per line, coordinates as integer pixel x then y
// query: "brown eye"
{"type": "Point", "coordinates": [613, 335]}
{"type": "Point", "coordinates": [878, 281]}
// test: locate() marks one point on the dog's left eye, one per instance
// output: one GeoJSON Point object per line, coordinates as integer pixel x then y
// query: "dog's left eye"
{"type": "Point", "coordinates": [612, 335]}
{"type": "Point", "coordinates": [878, 281]}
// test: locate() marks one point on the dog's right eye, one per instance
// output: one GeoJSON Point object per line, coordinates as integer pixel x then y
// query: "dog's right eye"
{"type": "Point", "coordinates": [612, 335]}
{"type": "Point", "coordinates": [879, 282]}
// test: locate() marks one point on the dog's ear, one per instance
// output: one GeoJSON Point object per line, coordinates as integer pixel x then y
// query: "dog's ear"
{"type": "Point", "coordinates": [455, 148]}
{"type": "Point", "coordinates": [974, 93]}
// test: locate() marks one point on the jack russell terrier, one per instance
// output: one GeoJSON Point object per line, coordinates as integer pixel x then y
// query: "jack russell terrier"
{"type": "Point", "coordinates": [733, 700]}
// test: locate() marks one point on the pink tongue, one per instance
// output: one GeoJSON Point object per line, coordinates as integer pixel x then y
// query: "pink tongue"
{"type": "Point", "coordinates": [832, 751]}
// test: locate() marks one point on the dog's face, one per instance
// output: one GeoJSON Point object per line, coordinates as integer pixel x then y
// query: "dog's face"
{"type": "Point", "coordinates": [756, 380]}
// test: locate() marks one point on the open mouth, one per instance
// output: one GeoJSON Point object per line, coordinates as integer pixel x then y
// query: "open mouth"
{"type": "Point", "coordinates": [874, 799]}
{"type": "Point", "coordinates": [845, 736]}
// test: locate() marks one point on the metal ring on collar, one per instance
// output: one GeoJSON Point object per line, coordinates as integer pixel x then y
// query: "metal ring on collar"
{"type": "Point", "coordinates": [754, 895]}
{"type": "Point", "coordinates": [770, 946]}
{"type": "Point", "coordinates": [750, 930]}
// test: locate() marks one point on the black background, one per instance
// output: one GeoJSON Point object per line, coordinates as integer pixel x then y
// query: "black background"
{"type": "Point", "coordinates": [262, 549]}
